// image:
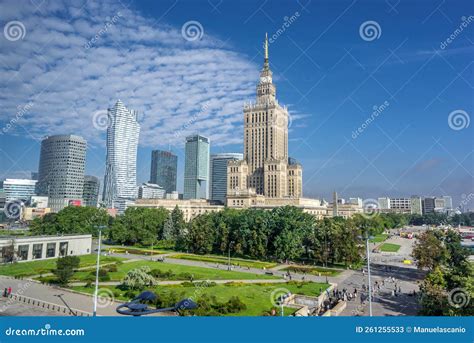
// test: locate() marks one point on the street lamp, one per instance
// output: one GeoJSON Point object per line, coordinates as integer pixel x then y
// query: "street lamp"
{"type": "Point", "coordinates": [97, 271]}
{"type": "Point", "coordinates": [230, 245]}
{"type": "Point", "coordinates": [367, 237]}
{"type": "Point", "coordinates": [137, 307]}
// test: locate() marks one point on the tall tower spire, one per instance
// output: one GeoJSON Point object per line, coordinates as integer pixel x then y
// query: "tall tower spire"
{"type": "Point", "coordinates": [266, 64]}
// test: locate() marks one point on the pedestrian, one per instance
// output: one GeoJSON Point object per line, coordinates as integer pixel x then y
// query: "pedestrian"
{"type": "Point", "coordinates": [5, 292]}
{"type": "Point", "coordinates": [400, 289]}
{"type": "Point", "coordinates": [9, 290]}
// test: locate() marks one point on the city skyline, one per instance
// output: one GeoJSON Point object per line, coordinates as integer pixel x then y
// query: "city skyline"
{"type": "Point", "coordinates": [407, 138]}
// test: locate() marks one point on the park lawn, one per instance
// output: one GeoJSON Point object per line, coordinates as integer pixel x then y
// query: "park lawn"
{"type": "Point", "coordinates": [23, 269]}
{"type": "Point", "coordinates": [134, 251]}
{"type": "Point", "coordinates": [224, 260]}
{"type": "Point", "coordinates": [198, 273]}
{"type": "Point", "coordinates": [389, 247]}
{"type": "Point", "coordinates": [379, 238]}
{"type": "Point", "coordinates": [257, 297]}
{"type": "Point", "coordinates": [312, 270]}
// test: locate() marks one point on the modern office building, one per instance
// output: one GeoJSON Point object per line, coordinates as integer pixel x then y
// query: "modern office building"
{"type": "Point", "coordinates": [400, 205]}
{"type": "Point", "coordinates": [34, 176]}
{"type": "Point", "coordinates": [164, 169]}
{"type": "Point", "coordinates": [218, 172]}
{"type": "Point", "coordinates": [61, 170]}
{"type": "Point", "coordinates": [91, 191]}
{"type": "Point", "coordinates": [196, 167]}
{"type": "Point", "coordinates": [120, 181]}
{"type": "Point", "coordinates": [19, 189]}
{"type": "Point", "coordinates": [416, 205]}
{"type": "Point", "coordinates": [439, 205]}
{"type": "Point", "coordinates": [428, 205]}
{"type": "Point", "coordinates": [150, 191]}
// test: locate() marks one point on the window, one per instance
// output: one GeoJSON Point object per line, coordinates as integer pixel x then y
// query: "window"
{"type": "Point", "coordinates": [23, 252]}
{"type": "Point", "coordinates": [37, 251]}
{"type": "Point", "coordinates": [51, 250]}
{"type": "Point", "coordinates": [63, 249]}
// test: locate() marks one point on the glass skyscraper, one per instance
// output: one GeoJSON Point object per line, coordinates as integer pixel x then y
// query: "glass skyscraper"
{"type": "Point", "coordinates": [91, 190]}
{"type": "Point", "coordinates": [218, 172]}
{"type": "Point", "coordinates": [164, 169]}
{"type": "Point", "coordinates": [196, 168]}
{"type": "Point", "coordinates": [61, 170]}
{"type": "Point", "coordinates": [120, 181]}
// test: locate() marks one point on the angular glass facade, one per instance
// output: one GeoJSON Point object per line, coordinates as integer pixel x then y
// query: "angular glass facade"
{"type": "Point", "coordinates": [120, 181]}
{"type": "Point", "coordinates": [218, 182]}
{"type": "Point", "coordinates": [164, 169]}
{"type": "Point", "coordinates": [196, 168]}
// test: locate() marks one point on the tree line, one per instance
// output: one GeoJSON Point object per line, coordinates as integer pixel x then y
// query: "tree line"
{"type": "Point", "coordinates": [284, 233]}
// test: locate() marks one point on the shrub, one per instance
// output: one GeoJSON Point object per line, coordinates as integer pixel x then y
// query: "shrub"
{"type": "Point", "coordinates": [112, 268]}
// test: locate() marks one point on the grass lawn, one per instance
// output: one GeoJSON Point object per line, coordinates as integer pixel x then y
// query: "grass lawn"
{"type": "Point", "coordinates": [257, 297]}
{"type": "Point", "coordinates": [23, 269]}
{"type": "Point", "coordinates": [312, 270]}
{"type": "Point", "coordinates": [223, 260]}
{"type": "Point", "coordinates": [379, 238]}
{"type": "Point", "coordinates": [389, 247]}
{"type": "Point", "coordinates": [135, 251]}
{"type": "Point", "coordinates": [199, 273]}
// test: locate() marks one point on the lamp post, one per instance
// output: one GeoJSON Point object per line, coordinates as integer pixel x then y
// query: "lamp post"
{"type": "Point", "coordinates": [138, 307]}
{"type": "Point", "coordinates": [230, 245]}
{"type": "Point", "coordinates": [368, 273]}
{"type": "Point", "coordinates": [97, 272]}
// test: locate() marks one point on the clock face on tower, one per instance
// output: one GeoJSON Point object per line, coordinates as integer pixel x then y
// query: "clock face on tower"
{"type": "Point", "coordinates": [265, 79]}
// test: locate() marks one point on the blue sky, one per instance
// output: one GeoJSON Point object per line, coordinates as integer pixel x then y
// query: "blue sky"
{"type": "Point", "coordinates": [56, 79]}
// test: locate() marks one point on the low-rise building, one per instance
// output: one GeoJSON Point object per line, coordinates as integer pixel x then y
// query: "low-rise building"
{"type": "Point", "coordinates": [191, 207]}
{"type": "Point", "coordinates": [43, 247]}
{"type": "Point", "coordinates": [150, 191]}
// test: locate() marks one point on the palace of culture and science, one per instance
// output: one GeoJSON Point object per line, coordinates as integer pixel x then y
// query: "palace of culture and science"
{"type": "Point", "coordinates": [266, 170]}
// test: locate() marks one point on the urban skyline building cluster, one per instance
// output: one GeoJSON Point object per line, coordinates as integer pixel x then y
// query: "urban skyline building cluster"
{"type": "Point", "coordinates": [263, 176]}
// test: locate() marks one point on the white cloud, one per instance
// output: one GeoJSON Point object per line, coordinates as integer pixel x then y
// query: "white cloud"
{"type": "Point", "coordinates": [71, 64]}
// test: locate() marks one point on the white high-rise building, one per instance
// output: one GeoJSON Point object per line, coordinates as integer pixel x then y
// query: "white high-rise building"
{"type": "Point", "coordinates": [120, 181]}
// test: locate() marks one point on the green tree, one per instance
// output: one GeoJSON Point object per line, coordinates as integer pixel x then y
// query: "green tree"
{"type": "Point", "coordinates": [65, 267]}
{"type": "Point", "coordinates": [429, 251]}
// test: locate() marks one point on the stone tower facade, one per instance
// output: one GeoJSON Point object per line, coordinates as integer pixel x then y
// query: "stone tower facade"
{"type": "Point", "coordinates": [266, 169]}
